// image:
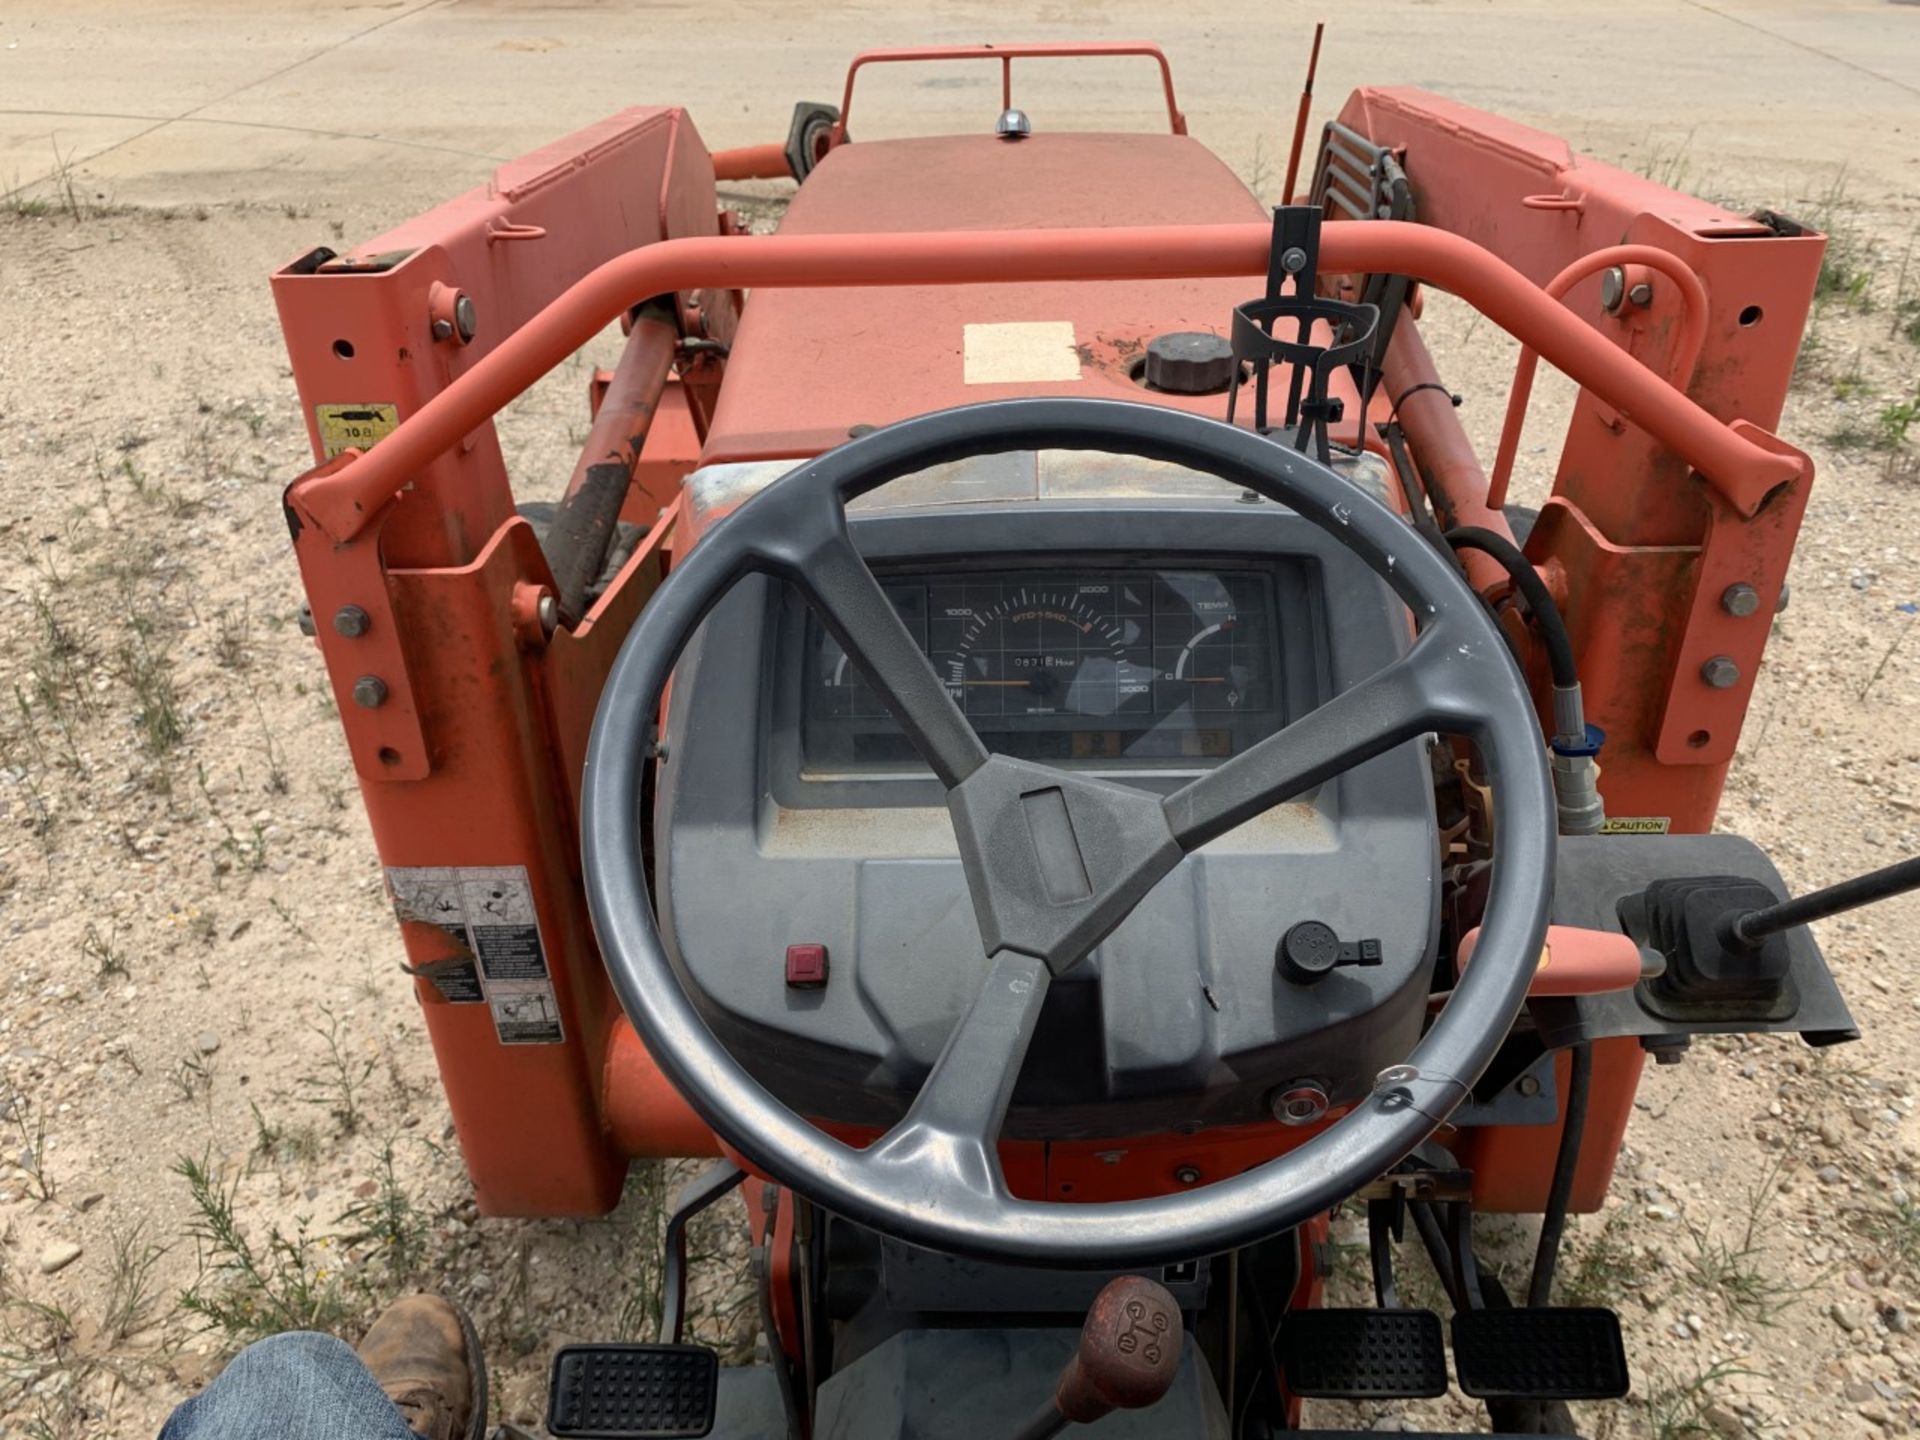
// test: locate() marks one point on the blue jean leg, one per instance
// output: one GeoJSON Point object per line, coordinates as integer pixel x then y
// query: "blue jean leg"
{"type": "Point", "coordinates": [297, 1386]}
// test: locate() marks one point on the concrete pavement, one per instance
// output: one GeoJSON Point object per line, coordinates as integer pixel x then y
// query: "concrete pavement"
{"type": "Point", "coordinates": [398, 103]}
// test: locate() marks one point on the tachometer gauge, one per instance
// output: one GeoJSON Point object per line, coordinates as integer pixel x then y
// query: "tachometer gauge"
{"type": "Point", "coordinates": [1141, 664]}
{"type": "Point", "coordinates": [1046, 651]}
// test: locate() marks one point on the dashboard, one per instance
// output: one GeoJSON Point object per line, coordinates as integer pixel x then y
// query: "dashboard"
{"type": "Point", "coordinates": [1126, 665]}
{"type": "Point", "coordinates": [1138, 637]}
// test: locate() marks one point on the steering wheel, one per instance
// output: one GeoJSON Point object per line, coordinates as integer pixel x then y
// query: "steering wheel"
{"type": "Point", "coordinates": [1055, 860]}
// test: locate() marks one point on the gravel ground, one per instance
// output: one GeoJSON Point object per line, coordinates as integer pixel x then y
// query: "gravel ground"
{"type": "Point", "coordinates": [201, 982]}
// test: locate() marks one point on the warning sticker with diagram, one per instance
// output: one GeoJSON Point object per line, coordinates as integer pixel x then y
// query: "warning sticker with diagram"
{"type": "Point", "coordinates": [487, 911]}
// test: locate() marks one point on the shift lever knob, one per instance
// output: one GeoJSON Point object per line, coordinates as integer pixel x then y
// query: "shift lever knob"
{"type": "Point", "coordinates": [1129, 1352]}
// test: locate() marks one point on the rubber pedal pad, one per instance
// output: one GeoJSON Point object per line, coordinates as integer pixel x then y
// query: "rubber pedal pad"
{"type": "Point", "coordinates": [1548, 1353]}
{"type": "Point", "coordinates": [1363, 1354]}
{"type": "Point", "coordinates": [622, 1392]}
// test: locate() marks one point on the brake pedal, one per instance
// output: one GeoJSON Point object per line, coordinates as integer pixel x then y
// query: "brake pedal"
{"type": "Point", "coordinates": [623, 1392]}
{"type": "Point", "coordinates": [1545, 1353]}
{"type": "Point", "coordinates": [1363, 1354]}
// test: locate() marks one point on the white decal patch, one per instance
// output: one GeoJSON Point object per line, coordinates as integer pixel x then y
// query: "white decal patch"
{"type": "Point", "coordinates": [1017, 353]}
{"type": "Point", "coordinates": [488, 911]}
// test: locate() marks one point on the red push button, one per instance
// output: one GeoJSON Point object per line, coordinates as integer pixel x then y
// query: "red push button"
{"type": "Point", "coordinates": [806, 967]}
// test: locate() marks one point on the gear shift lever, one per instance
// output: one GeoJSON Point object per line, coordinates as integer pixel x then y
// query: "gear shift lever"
{"type": "Point", "coordinates": [1128, 1354]}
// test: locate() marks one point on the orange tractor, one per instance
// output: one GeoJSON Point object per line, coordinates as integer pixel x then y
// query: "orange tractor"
{"type": "Point", "coordinates": [1032, 739]}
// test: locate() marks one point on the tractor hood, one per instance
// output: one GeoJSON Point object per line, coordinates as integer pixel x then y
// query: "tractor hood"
{"type": "Point", "coordinates": [810, 365]}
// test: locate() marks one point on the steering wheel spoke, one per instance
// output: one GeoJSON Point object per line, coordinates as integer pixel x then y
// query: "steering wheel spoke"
{"type": "Point", "coordinates": [819, 558]}
{"type": "Point", "coordinates": [948, 1137]}
{"type": "Point", "coordinates": [1419, 692]}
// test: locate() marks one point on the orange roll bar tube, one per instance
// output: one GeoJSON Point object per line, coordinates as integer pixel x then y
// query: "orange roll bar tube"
{"type": "Point", "coordinates": [343, 502]}
{"type": "Point", "coordinates": [1456, 485]}
{"type": "Point", "coordinates": [752, 162]}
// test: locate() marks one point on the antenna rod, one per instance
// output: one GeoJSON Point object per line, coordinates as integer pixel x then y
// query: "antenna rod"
{"type": "Point", "coordinates": [1754, 926]}
{"type": "Point", "coordinates": [1300, 120]}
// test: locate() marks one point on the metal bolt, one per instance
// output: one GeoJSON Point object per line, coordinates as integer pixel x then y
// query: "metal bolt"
{"type": "Point", "coordinates": [1740, 600]}
{"type": "Point", "coordinates": [1187, 1175]}
{"type": "Point", "coordinates": [1613, 288]}
{"type": "Point", "coordinates": [304, 619]}
{"type": "Point", "coordinates": [1013, 125]}
{"type": "Point", "coordinates": [1528, 1085]}
{"type": "Point", "coordinates": [1293, 260]}
{"type": "Point", "coordinates": [369, 692]}
{"type": "Point", "coordinates": [1641, 294]}
{"type": "Point", "coordinates": [1721, 672]}
{"type": "Point", "coordinates": [1666, 1049]}
{"type": "Point", "coordinates": [1780, 605]}
{"type": "Point", "coordinates": [549, 612]}
{"type": "Point", "coordinates": [453, 313]}
{"type": "Point", "coordinates": [351, 621]}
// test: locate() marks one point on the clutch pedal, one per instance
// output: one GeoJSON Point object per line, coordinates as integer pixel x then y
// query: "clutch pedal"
{"type": "Point", "coordinates": [1545, 1353]}
{"type": "Point", "coordinates": [623, 1392]}
{"type": "Point", "coordinates": [1363, 1354]}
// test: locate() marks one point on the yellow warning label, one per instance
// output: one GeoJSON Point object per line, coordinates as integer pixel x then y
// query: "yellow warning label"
{"type": "Point", "coordinates": [353, 427]}
{"type": "Point", "coordinates": [1636, 825]}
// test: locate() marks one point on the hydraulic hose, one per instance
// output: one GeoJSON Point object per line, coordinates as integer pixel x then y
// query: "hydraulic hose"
{"type": "Point", "coordinates": [1553, 1222]}
{"type": "Point", "coordinates": [1576, 775]}
{"type": "Point", "coordinates": [1546, 614]}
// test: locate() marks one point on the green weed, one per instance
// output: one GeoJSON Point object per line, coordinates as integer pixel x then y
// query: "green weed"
{"type": "Point", "coordinates": [248, 1291]}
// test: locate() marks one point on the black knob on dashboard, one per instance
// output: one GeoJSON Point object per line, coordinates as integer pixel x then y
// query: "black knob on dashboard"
{"type": "Point", "coordinates": [1310, 949]}
{"type": "Point", "coordinates": [1189, 362]}
{"type": "Point", "coordinates": [1307, 952]}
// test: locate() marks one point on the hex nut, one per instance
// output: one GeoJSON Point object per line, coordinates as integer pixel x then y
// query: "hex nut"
{"type": "Point", "coordinates": [1721, 672]}
{"type": "Point", "coordinates": [1740, 600]}
{"type": "Point", "coordinates": [351, 621]}
{"type": "Point", "coordinates": [370, 692]}
{"type": "Point", "coordinates": [451, 314]}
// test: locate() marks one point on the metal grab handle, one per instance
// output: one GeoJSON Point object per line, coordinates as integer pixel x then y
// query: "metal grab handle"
{"type": "Point", "coordinates": [1686, 354]}
{"type": "Point", "coordinates": [1006, 55]}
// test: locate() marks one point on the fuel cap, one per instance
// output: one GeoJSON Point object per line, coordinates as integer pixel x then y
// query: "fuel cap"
{"type": "Point", "coordinates": [1189, 362]}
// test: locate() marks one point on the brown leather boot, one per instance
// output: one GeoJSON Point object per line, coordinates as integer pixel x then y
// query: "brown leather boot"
{"type": "Point", "coordinates": [425, 1355]}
